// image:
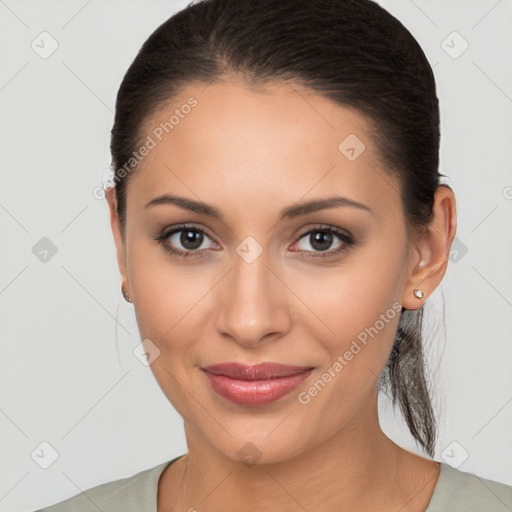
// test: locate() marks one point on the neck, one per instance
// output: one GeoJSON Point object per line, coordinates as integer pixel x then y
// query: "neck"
{"type": "Point", "coordinates": [358, 467]}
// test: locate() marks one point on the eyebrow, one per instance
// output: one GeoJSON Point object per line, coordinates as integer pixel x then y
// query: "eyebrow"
{"type": "Point", "coordinates": [289, 212]}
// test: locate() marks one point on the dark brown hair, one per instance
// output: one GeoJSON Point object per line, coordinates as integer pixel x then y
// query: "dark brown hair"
{"type": "Point", "coordinates": [351, 51]}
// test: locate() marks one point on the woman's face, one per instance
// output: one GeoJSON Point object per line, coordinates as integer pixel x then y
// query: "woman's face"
{"type": "Point", "coordinates": [260, 286]}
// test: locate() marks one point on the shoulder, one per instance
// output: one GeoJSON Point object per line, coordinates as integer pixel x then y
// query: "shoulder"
{"type": "Point", "coordinates": [135, 493]}
{"type": "Point", "coordinates": [460, 491]}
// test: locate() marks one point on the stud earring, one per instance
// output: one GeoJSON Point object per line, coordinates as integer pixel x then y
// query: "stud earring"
{"type": "Point", "coordinates": [418, 294]}
{"type": "Point", "coordinates": [125, 295]}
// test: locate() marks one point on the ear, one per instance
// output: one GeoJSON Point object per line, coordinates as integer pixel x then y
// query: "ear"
{"type": "Point", "coordinates": [431, 249]}
{"type": "Point", "coordinates": [111, 197]}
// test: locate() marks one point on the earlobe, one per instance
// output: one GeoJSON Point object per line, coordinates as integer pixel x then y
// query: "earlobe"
{"type": "Point", "coordinates": [432, 249]}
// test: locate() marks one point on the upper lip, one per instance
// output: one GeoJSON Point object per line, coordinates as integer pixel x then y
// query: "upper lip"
{"type": "Point", "coordinates": [261, 371]}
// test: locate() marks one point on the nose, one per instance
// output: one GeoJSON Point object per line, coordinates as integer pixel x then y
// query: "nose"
{"type": "Point", "coordinates": [253, 308]}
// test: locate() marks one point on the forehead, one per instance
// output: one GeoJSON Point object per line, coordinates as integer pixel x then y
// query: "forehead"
{"type": "Point", "coordinates": [280, 143]}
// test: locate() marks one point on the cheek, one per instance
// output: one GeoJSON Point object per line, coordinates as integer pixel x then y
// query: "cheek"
{"type": "Point", "coordinates": [169, 312]}
{"type": "Point", "coordinates": [343, 303]}
{"type": "Point", "coordinates": [357, 353]}
{"type": "Point", "coordinates": [356, 309]}
{"type": "Point", "coordinates": [166, 294]}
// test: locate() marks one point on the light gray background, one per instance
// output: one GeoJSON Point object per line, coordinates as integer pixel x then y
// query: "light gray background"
{"type": "Point", "coordinates": [62, 380]}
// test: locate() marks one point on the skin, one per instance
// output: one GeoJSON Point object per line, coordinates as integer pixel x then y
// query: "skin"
{"type": "Point", "coordinates": [251, 153]}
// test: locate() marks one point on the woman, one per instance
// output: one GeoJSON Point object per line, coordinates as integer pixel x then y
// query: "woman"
{"type": "Point", "coordinates": [280, 222]}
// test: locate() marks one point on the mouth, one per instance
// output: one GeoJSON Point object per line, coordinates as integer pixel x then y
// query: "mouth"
{"type": "Point", "coordinates": [254, 385]}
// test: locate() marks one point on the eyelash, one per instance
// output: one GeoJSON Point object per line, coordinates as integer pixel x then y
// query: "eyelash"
{"type": "Point", "coordinates": [346, 239]}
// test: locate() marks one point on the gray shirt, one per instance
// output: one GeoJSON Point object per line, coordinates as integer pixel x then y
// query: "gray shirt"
{"type": "Point", "coordinates": [455, 491]}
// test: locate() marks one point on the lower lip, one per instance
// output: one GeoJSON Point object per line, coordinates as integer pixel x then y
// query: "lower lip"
{"type": "Point", "coordinates": [255, 392]}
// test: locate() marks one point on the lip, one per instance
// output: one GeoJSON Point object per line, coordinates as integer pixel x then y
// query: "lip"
{"type": "Point", "coordinates": [257, 384]}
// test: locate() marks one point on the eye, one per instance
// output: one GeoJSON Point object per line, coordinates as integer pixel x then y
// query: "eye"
{"type": "Point", "coordinates": [184, 241]}
{"type": "Point", "coordinates": [322, 238]}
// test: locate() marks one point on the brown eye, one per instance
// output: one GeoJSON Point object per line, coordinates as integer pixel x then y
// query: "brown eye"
{"type": "Point", "coordinates": [326, 240]}
{"type": "Point", "coordinates": [184, 241]}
